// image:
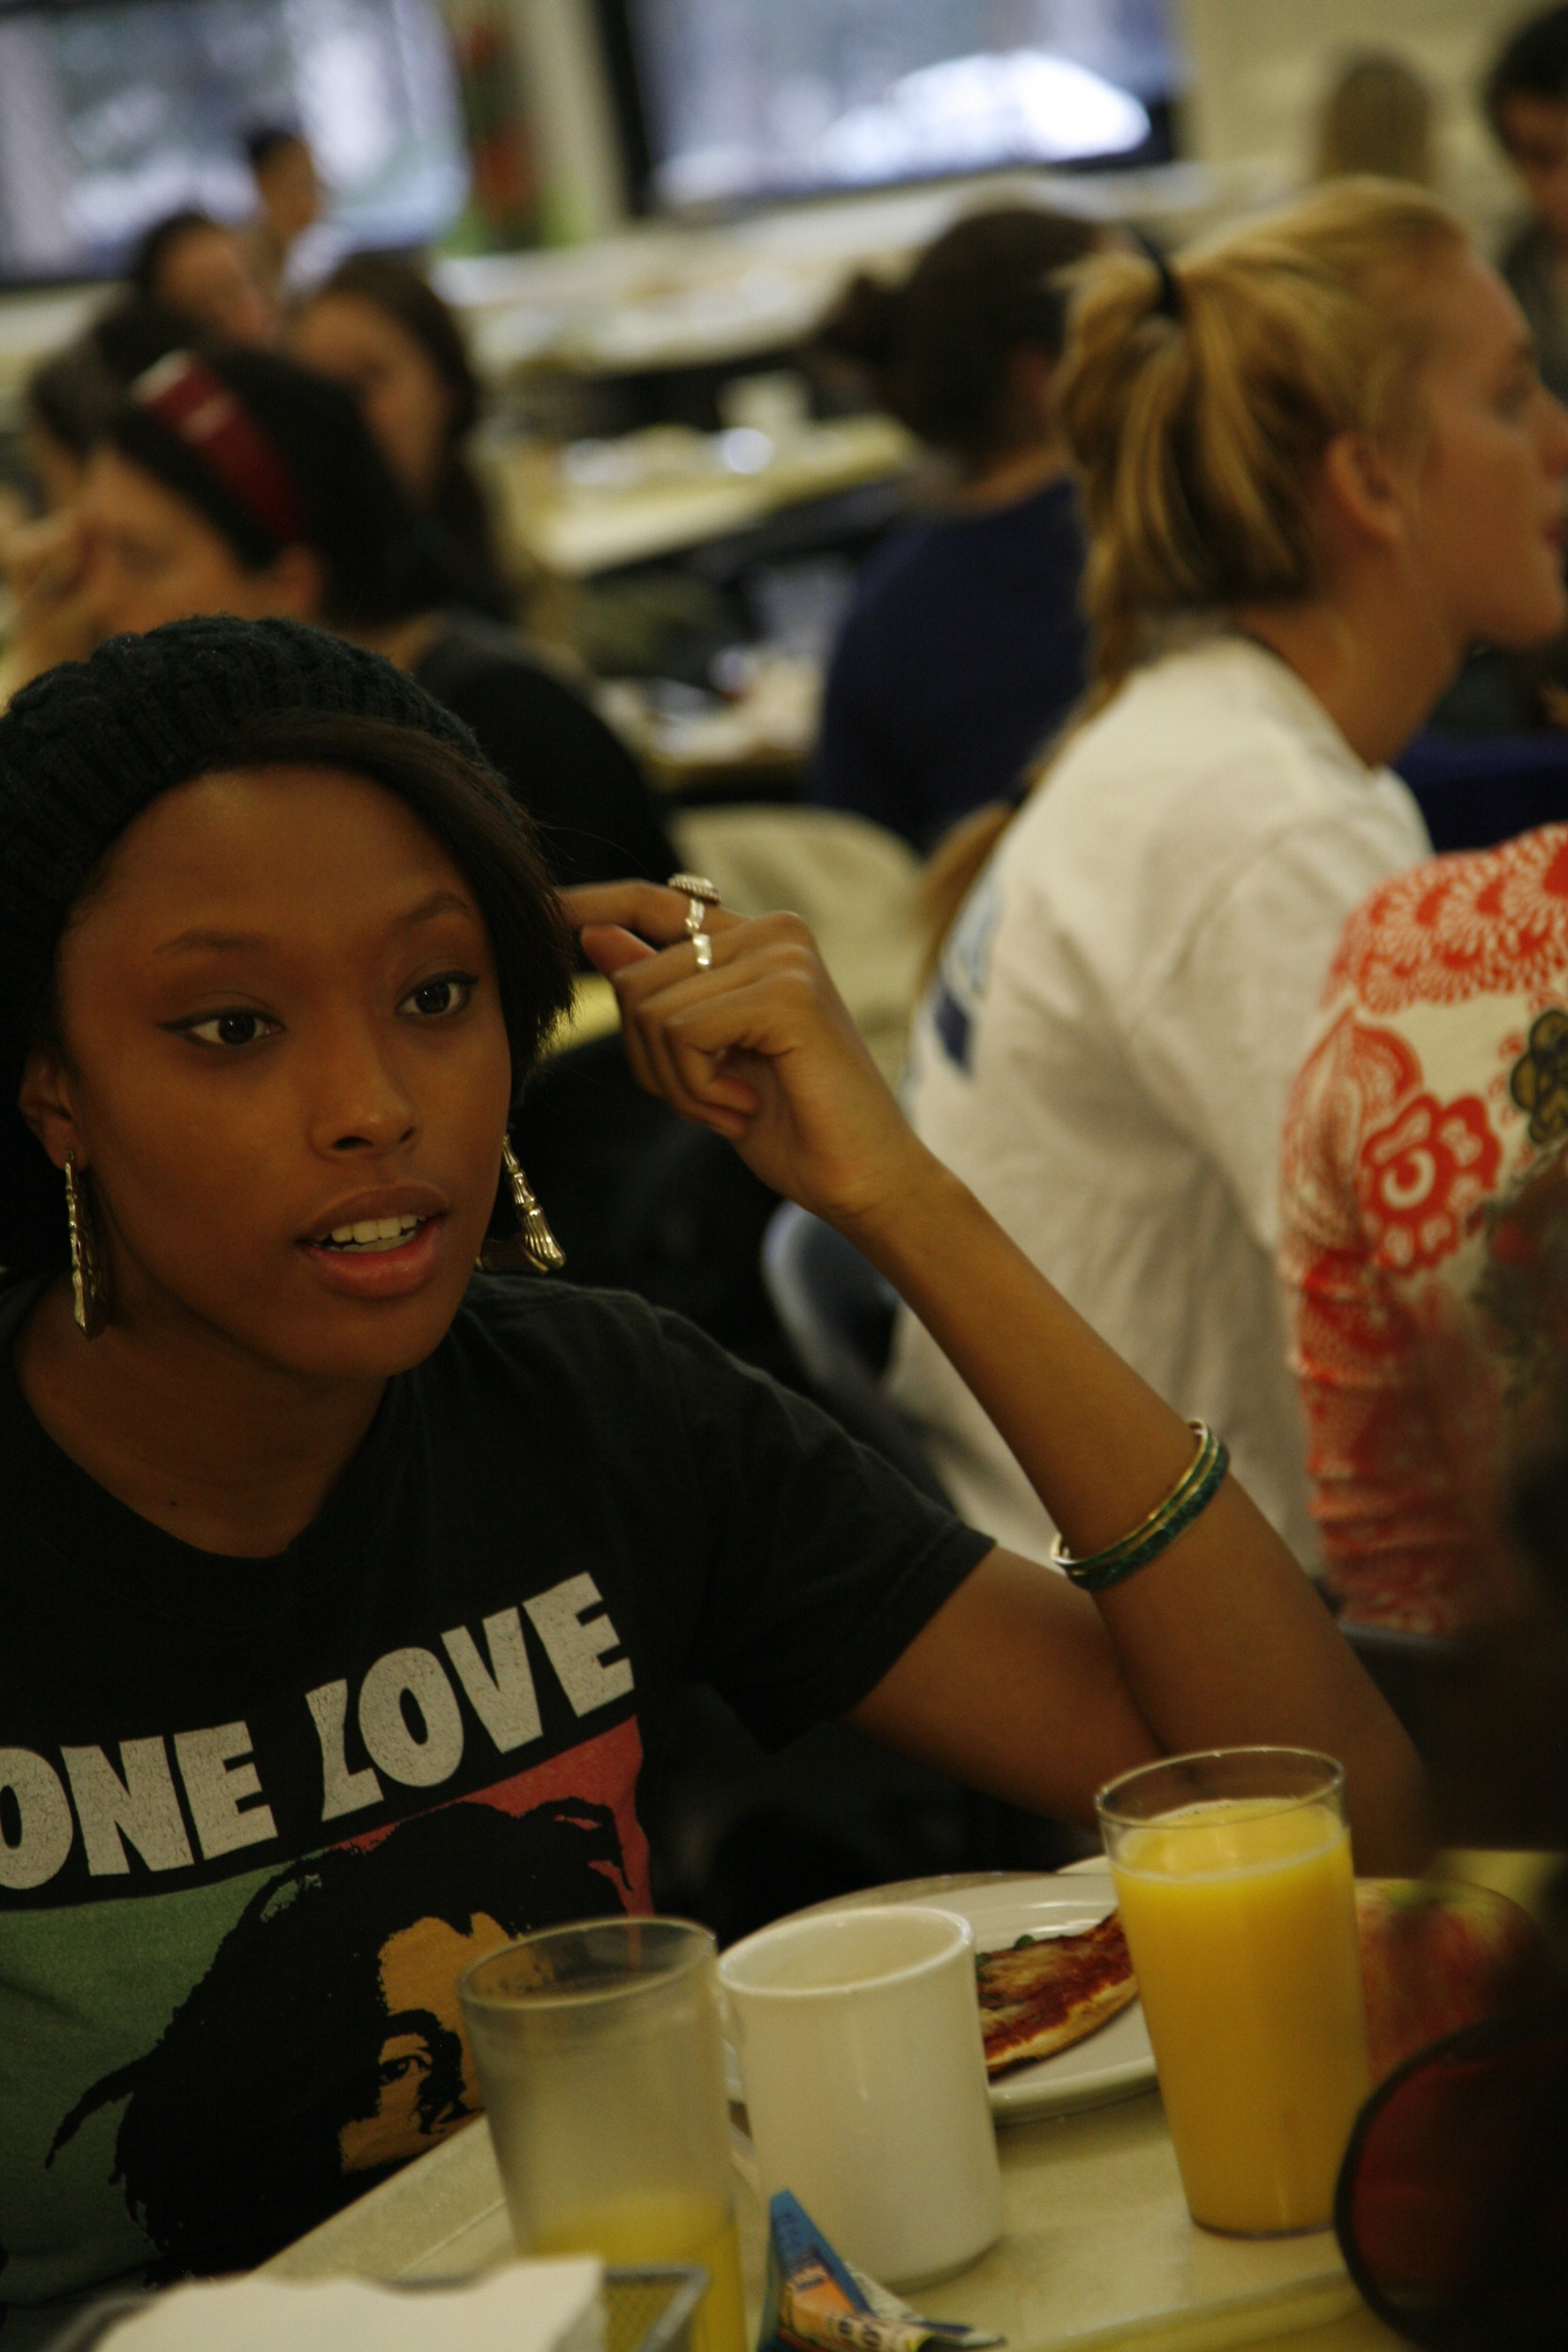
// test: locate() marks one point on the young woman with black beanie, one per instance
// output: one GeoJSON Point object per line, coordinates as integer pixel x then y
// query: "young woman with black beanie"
{"type": "Point", "coordinates": [308, 1530]}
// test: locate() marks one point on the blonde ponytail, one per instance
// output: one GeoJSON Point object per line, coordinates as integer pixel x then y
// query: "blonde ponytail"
{"type": "Point", "coordinates": [1197, 400]}
{"type": "Point", "coordinates": [1199, 425]}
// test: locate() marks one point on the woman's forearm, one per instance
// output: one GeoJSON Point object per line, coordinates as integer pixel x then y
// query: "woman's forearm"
{"type": "Point", "coordinates": [1222, 1639]}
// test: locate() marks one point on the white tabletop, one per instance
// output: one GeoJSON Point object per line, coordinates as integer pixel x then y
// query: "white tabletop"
{"type": "Point", "coordinates": [1098, 2248]}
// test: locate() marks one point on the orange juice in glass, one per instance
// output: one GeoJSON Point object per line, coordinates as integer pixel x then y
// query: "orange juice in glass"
{"type": "Point", "coordinates": [1232, 1871]}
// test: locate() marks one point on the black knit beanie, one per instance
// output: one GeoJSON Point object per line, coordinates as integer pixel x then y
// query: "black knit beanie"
{"type": "Point", "coordinates": [83, 750]}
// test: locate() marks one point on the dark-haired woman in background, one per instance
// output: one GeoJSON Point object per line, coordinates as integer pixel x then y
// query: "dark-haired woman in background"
{"type": "Point", "coordinates": [65, 404]}
{"type": "Point", "coordinates": [965, 647]}
{"type": "Point", "coordinates": [197, 268]}
{"type": "Point", "coordinates": [239, 483]}
{"type": "Point", "coordinates": [380, 329]}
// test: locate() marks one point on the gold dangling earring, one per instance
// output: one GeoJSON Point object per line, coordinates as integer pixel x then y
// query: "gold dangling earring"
{"type": "Point", "coordinates": [89, 1290]}
{"type": "Point", "coordinates": [539, 1247]}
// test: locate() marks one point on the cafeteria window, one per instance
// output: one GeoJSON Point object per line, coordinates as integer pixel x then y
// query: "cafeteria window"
{"type": "Point", "coordinates": [116, 112]}
{"type": "Point", "coordinates": [737, 100]}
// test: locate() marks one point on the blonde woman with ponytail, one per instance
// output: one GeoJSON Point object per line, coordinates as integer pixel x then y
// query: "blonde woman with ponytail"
{"type": "Point", "coordinates": [1316, 465]}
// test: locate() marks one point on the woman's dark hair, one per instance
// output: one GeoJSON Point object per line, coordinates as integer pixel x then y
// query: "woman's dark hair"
{"type": "Point", "coordinates": [355, 519]}
{"type": "Point", "coordinates": [1533, 64]}
{"type": "Point", "coordinates": [407, 297]}
{"type": "Point", "coordinates": [462, 539]}
{"type": "Point", "coordinates": [267, 139]}
{"type": "Point", "coordinates": [938, 348]}
{"type": "Point", "coordinates": [159, 242]}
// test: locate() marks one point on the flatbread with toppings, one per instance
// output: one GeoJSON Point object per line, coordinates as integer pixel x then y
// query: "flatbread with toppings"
{"type": "Point", "coordinates": [1049, 1991]}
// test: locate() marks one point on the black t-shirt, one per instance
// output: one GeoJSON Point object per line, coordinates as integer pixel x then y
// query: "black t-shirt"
{"type": "Point", "coordinates": [256, 1815]}
{"type": "Point", "coordinates": [575, 778]}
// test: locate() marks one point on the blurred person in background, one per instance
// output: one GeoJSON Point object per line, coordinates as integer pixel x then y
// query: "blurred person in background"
{"type": "Point", "coordinates": [65, 404]}
{"type": "Point", "coordinates": [241, 482]}
{"type": "Point", "coordinates": [195, 266]}
{"type": "Point", "coordinates": [1316, 463]}
{"type": "Point", "coordinates": [68, 397]}
{"type": "Point", "coordinates": [378, 327]}
{"type": "Point", "coordinates": [965, 647]}
{"type": "Point", "coordinates": [1424, 1144]}
{"type": "Point", "coordinates": [1526, 96]}
{"type": "Point", "coordinates": [289, 200]}
{"type": "Point", "coordinates": [1377, 118]}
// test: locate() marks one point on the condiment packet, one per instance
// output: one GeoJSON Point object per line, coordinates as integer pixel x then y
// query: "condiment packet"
{"type": "Point", "coordinates": [817, 2302]}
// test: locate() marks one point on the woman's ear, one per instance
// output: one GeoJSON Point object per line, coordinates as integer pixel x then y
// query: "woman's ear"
{"type": "Point", "coordinates": [1365, 492]}
{"type": "Point", "coordinates": [44, 1102]}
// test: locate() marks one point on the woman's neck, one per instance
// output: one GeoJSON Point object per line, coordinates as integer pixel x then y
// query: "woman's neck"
{"type": "Point", "coordinates": [1010, 477]}
{"type": "Point", "coordinates": [1376, 660]}
{"type": "Point", "coordinates": [227, 1453]}
{"type": "Point", "coordinates": [402, 643]}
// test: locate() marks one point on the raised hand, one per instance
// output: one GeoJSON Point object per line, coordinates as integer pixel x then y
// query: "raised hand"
{"type": "Point", "coordinates": [758, 1045]}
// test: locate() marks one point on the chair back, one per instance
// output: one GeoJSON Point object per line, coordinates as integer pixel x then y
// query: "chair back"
{"type": "Point", "coordinates": [838, 1314]}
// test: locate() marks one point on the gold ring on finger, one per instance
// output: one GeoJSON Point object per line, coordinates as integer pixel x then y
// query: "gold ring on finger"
{"type": "Point", "coordinates": [702, 947]}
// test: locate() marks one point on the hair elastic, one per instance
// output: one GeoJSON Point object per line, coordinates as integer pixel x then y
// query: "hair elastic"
{"type": "Point", "coordinates": [195, 404]}
{"type": "Point", "coordinates": [1169, 302]}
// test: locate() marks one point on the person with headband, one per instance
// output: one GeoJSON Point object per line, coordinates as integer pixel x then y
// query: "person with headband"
{"type": "Point", "coordinates": [1316, 465]}
{"type": "Point", "coordinates": [238, 482]}
{"type": "Point", "coordinates": [965, 646]}
{"type": "Point", "coordinates": [312, 1531]}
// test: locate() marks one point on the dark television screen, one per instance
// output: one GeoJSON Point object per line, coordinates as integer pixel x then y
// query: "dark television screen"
{"type": "Point", "coordinates": [114, 112]}
{"type": "Point", "coordinates": [754, 98]}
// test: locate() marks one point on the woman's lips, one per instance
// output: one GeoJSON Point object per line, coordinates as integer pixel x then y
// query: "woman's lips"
{"type": "Point", "coordinates": [383, 1270]}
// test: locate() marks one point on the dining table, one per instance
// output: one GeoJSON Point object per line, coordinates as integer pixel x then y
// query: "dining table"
{"type": "Point", "coordinates": [1097, 2249]}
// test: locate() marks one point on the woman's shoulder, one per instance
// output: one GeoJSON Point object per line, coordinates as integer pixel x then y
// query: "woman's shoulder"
{"type": "Point", "coordinates": [1217, 736]}
{"type": "Point", "coordinates": [520, 1321]}
{"type": "Point", "coordinates": [1485, 923]}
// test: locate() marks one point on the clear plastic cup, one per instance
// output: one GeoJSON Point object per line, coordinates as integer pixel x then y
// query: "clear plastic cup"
{"type": "Point", "coordinates": [601, 2059]}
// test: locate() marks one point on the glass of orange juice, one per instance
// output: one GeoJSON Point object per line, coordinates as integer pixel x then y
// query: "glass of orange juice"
{"type": "Point", "coordinates": [1233, 1870]}
{"type": "Point", "coordinates": [601, 2055]}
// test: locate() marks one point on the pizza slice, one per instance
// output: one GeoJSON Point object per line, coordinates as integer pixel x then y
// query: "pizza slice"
{"type": "Point", "coordinates": [1049, 1991]}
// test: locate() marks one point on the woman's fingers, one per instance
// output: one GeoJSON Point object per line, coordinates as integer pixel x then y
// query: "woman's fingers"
{"type": "Point", "coordinates": [644, 909]}
{"type": "Point", "coordinates": [707, 1038]}
{"type": "Point", "coordinates": [611, 950]}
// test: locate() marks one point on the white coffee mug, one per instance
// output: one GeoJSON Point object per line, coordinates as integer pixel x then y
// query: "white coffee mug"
{"type": "Point", "coordinates": [858, 2040]}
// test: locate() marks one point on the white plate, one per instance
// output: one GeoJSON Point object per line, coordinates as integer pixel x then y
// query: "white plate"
{"type": "Point", "coordinates": [1112, 2064]}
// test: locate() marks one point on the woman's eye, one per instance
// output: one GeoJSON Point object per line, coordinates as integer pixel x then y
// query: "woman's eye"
{"type": "Point", "coordinates": [232, 1029]}
{"type": "Point", "coordinates": [449, 992]}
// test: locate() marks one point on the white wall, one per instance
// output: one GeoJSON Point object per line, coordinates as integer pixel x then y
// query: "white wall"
{"type": "Point", "coordinates": [1261, 67]}
{"type": "Point", "coordinates": [571, 116]}
{"type": "Point", "coordinates": [1260, 71]}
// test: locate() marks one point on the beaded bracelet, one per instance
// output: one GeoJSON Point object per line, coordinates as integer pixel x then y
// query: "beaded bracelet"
{"type": "Point", "coordinates": [1192, 1493]}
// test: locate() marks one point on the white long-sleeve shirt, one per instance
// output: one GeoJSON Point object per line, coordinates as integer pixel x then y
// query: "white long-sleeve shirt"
{"type": "Point", "coordinates": [1105, 1053]}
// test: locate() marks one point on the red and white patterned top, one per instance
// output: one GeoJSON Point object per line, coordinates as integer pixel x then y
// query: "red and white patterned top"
{"type": "Point", "coordinates": [1436, 1086]}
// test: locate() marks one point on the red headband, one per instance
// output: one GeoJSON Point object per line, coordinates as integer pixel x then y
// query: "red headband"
{"type": "Point", "coordinates": [192, 399]}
